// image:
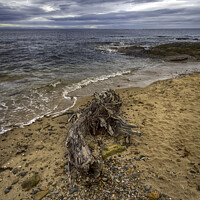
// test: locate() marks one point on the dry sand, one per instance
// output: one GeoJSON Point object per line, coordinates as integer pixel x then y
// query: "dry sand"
{"type": "Point", "coordinates": [168, 116]}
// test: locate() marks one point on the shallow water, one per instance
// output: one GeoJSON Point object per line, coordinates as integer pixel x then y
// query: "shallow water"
{"type": "Point", "coordinates": [43, 71]}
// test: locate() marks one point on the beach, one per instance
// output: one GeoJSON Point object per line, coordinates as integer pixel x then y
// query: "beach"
{"type": "Point", "coordinates": [165, 158]}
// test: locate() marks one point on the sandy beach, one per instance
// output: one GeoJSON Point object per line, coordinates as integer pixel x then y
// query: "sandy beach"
{"type": "Point", "coordinates": [165, 158]}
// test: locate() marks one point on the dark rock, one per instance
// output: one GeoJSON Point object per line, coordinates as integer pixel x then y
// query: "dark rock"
{"type": "Point", "coordinates": [73, 190]}
{"type": "Point", "coordinates": [191, 49]}
{"type": "Point", "coordinates": [31, 182]}
{"type": "Point", "coordinates": [40, 147]}
{"type": "Point", "coordinates": [28, 134]}
{"type": "Point", "coordinates": [35, 191]}
{"type": "Point", "coordinates": [178, 58]}
{"type": "Point", "coordinates": [142, 156]}
{"type": "Point", "coordinates": [7, 190]}
{"type": "Point", "coordinates": [182, 38]}
{"type": "Point", "coordinates": [5, 168]}
{"type": "Point", "coordinates": [23, 174]}
{"type": "Point", "coordinates": [15, 170]}
{"type": "Point", "coordinates": [137, 159]}
{"type": "Point", "coordinates": [20, 152]}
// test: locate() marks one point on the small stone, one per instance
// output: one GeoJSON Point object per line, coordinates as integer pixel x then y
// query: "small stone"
{"type": "Point", "coordinates": [31, 182]}
{"type": "Point", "coordinates": [54, 183]}
{"type": "Point", "coordinates": [192, 171]}
{"type": "Point", "coordinates": [15, 170]}
{"type": "Point", "coordinates": [28, 134]}
{"type": "Point", "coordinates": [35, 191]}
{"type": "Point", "coordinates": [105, 179]}
{"type": "Point", "coordinates": [23, 174]}
{"type": "Point", "coordinates": [137, 159]}
{"type": "Point", "coordinates": [40, 195]}
{"type": "Point", "coordinates": [136, 152]}
{"type": "Point", "coordinates": [56, 192]}
{"type": "Point", "coordinates": [73, 191]}
{"type": "Point", "coordinates": [153, 196]}
{"type": "Point", "coordinates": [62, 165]}
{"type": "Point", "coordinates": [142, 156]}
{"type": "Point", "coordinates": [62, 197]}
{"type": "Point", "coordinates": [15, 180]}
{"type": "Point", "coordinates": [147, 187]}
{"type": "Point", "coordinates": [178, 160]}
{"type": "Point", "coordinates": [7, 190]}
{"type": "Point", "coordinates": [40, 147]}
{"type": "Point", "coordinates": [59, 172]}
{"type": "Point", "coordinates": [186, 151]}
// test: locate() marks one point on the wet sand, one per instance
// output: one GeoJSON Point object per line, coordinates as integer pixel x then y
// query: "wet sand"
{"type": "Point", "coordinates": [167, 155]}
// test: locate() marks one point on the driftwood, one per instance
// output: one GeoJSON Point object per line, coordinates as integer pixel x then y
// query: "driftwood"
{"type": "Point", "coordinates": [101, 114]}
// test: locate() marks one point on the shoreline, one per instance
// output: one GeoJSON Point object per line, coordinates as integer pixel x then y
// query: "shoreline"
{"type": "Point", "coordinates": [66, 95]}
{"type": "Point", "coordinates": [167, 113]}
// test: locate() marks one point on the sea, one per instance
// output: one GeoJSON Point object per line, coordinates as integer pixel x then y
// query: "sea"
{"type": "Point", "coordinates": [44, 72]}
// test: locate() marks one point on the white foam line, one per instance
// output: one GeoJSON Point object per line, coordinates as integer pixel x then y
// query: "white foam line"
{"type": "Point", "coordinates": [39, 117]}
{"type": "Point", "coordinates": [74, 103]}
{"type": "Point", "coordinates": [87, 81]}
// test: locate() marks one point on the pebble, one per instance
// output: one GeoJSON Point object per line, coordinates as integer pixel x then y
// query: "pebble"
{"type": "Point", "coordinates": [73, 190]}
{"type": "Point", "coordinates": [31, 182]}
{"type": "Point", "coordinates": [40, 195]}
{"type": "Point", "coordinates": [7, 190]}
{"type": "Point", "coordinates": [105, 179]}
{"type": "Point", "coordinates": [15, 170]}
{"type": "Point", "coordinates": [192, 171]}
{"type": "Point", "coordinates": [40, 147]}
{"type": "Point", "coordinates": [23, 174]}
{"type": "Point", "coordinates": [147, 187]}
{"type": "Point", "coordinates": [56, 192]}
{"type": "Point", "coordinates": [137, 159]}
{"type": "Point", "coordinates": [142, 156]}
{"type": "Point", "coordinates": [35, 191]}
{"type": "Point", "coordinates": [28, 134]}
{"type": "Point", "coordinates": [59, 172]}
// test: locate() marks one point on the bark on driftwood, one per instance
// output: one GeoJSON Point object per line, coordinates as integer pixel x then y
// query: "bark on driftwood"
{"type": "Point", "coordinates": [101, 114]}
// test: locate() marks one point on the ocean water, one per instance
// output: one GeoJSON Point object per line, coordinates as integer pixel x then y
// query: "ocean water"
{"type": "Point", "coordinates": [43, 72]}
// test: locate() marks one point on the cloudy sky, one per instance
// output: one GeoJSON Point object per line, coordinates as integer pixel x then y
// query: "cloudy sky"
{"type": "Point", "coordinates": [100, 14]}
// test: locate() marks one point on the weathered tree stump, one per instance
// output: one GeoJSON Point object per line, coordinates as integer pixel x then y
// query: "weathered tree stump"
{"type": "Point", "coordinates": [101, 114]}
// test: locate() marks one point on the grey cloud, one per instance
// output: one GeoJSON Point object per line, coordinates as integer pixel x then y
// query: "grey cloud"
{"type": "Point", "coordinates": [87, 16]}
{"type": "Point", "coordinates": [7, 14]}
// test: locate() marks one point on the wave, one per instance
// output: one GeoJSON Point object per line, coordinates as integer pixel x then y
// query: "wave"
{"type": "Point", "coordinates": [9, 126]}
{"type": "Point", "coordinates": [111, 47]}
{"type": "Point", "coordinates": [88, 81]}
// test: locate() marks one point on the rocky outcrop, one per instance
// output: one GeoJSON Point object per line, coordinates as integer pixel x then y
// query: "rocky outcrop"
{"type": "Point", "coordinates": [179, 51]}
